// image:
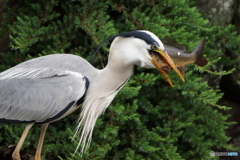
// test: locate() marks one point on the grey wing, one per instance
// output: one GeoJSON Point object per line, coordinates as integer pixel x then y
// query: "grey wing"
{"type": "Point", "coordinates": [41, 96]}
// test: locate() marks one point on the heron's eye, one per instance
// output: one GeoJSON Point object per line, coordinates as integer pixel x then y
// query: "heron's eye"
{"type": "Point", "coordinates": [154, 47]}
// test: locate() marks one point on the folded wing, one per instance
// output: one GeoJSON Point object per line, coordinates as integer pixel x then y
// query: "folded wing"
{"type": "Point", "coordinates": [39, 94]}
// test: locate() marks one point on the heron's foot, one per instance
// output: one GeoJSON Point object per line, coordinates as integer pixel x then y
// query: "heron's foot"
{"type": "Point", "coordinates": [16, 156]}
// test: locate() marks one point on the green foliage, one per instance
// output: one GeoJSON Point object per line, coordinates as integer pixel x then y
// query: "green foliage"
{"type": "Point", "coordinates": [148, 119]}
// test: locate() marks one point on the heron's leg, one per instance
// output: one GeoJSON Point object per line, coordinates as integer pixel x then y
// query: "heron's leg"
{"type": "Point", "coordinates": [40, 142]}
{"type": "Point", "coordinates": [16, 153]}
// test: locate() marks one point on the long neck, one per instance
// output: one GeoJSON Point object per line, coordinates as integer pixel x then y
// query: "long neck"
{"type": "Point", "coordinates": [115, 74]}
{"type": "Point", "coordinates": [103, 88]}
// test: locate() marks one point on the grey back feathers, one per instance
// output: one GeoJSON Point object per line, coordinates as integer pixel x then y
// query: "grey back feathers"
{"type": "Point", "coordinates": [36, 90]}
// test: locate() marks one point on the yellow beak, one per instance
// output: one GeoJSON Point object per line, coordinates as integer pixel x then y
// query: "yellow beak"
{"type": "Point", "coordinates": [169, 61]}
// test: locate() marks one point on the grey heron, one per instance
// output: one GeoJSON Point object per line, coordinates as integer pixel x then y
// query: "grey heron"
{"type": "Point", "coordinates": [46, 89]}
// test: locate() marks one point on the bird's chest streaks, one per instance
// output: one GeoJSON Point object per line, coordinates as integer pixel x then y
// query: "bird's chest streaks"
{"type": "Point", "coordinates": [122, 84]}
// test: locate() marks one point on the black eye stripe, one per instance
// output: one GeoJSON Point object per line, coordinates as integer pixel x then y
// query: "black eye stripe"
{"type": "Point", "coordinates": [141, 35]}
{"type": "Point", "coordinates": [137, 34]}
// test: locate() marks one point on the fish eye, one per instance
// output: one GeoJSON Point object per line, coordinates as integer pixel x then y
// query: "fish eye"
{"type": "Point", "coordinates": [154, 47]}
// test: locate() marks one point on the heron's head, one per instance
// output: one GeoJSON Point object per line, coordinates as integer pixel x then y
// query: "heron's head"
{"type": "Point", "coordinates": [142, 48]}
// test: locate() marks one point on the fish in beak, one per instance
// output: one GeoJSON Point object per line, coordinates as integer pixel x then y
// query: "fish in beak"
{"type": "Point", "coordinates": [180, 58]}
{"type": "Point", "coordinates": [157, 53]}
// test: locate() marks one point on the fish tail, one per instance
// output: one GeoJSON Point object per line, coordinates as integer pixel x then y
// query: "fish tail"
{"type": "Point", "coordinates": [198, 51]}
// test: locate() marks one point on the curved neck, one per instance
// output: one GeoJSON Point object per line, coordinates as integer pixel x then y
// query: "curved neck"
{"type": "Point", "coordinates": [115, 74]}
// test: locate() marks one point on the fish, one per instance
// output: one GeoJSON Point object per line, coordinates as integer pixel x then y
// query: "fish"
{"type": "Point", "coordinates": [180, 58]}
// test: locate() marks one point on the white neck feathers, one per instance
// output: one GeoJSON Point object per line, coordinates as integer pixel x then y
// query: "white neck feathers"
{"type": "Point", "coordinates": [103, 88]}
